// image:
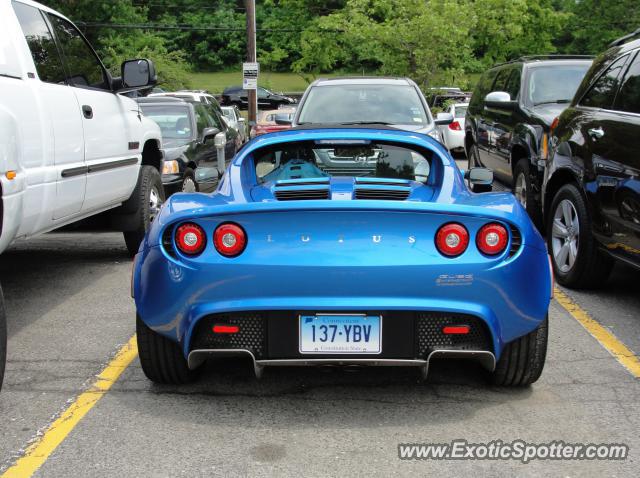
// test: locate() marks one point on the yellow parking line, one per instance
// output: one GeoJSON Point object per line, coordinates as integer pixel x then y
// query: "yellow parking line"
{"type": "Point", "coordinates": [609, 341]}
{"type": "Point", "coordinates": [38, 452]}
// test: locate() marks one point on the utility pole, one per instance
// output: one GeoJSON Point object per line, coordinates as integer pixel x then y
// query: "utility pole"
{"type": "Point", "coordinates": [250, 7]}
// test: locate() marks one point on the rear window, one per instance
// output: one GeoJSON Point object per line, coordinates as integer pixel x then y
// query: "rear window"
{"type": "Point", "coordinates": [308, 160]}
{"type": "Point", "coordinates": [555, 83]}
{"type": "Point", "coordinates": [174, 120]}
{"type": "Point", "coordinates": [374, 103]}
{"type": "Point", "coordinates": [460, 111]}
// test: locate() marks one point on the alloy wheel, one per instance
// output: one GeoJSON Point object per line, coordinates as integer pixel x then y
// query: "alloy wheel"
{"type": "Point", "coordinates": [189, 185]}
{"type": "Point", "coordinates": [155, 202]}
{"type": "Point", "coordinates": [520, 191]}
{"type": "Point", "coordinates": [565, 234]}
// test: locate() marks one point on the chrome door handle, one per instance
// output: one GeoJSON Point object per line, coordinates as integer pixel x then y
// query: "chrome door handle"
{"type": "Point", "coordinates": [596, 133]}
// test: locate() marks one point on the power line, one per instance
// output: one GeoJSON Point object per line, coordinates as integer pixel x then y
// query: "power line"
{"type": "Point", "coordinates": [183, 27]}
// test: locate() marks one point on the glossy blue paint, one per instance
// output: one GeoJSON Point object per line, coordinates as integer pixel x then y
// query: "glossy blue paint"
{"type": "Point", "coordinates": [343, 254]}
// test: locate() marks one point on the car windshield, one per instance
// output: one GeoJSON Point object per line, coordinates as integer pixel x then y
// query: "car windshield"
{"type": "Point", "coordinates": [174, 120]}
{"type": "Point", "coordinates": [460, 111]}
{"type": "Point", "coordinates": [377, 103]}
{"type": "Point", "coordinates": [228, 113]}
{"type": "Point", "coordinates": [555, 84]}
{"type": "Point", "coordinates": [309, 160]}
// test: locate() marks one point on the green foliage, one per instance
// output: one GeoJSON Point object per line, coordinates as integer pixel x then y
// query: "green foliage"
{"type": "Point", "coordinates": [596, 23]}
{"type": "Point", "coordinates": [432, 41]}
{"type": "Point", "coordinates": [116, 45]}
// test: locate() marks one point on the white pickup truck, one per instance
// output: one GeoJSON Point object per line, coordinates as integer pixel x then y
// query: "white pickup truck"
{"type": "Point", "coordinates": [70, 146]}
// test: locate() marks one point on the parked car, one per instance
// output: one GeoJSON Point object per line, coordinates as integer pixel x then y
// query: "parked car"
{"type": "Point", "coordinates": [368, 100]}
{"type": "Point", "coordinates": [201, 96]}
{"type": "Point", "coordinates": [267, 123]}
{"type": "Point", "coordinates": [236, 121]}
{"type": "Point", "coordinates": [453, 133]}
{"type": "Point", "coordinates": [70, 146]}
{"type": "Point", "coordinates": [296, 262]}
{"type": "Point", "coordinates": [591, 188]}
{"type": "Point", "coordinates": [509, 116]}
{"type": "Point", "coordinates": [235, 95]}
{"type": "Point", "coordinates": [192, 138]}
{"type": "Point", "coordinates": [439, 97]}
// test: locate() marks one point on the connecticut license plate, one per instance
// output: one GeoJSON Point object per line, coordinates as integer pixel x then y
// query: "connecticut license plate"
{"type": "Point", "coordinates": [340, 334]}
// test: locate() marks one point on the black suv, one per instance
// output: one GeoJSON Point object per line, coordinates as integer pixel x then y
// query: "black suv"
{"type": "Point", "coordinates": [190, 130]}
{"type": "Point", "coordinates": [508, 119]}
{"type": "Point", "coordinates": [591, 189]}
{"type": "Point", "coordinates": [235, 95]}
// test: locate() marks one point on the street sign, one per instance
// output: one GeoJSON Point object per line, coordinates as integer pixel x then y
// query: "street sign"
{"type": "Point", "coordinates": [250, 76]}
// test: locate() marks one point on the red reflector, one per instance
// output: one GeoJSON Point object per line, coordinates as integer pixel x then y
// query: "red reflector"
{"type": "Point", "coordinates": [455, 329]}
{"type": "Point", "coordinates": [225, 329]}
{"type": "Point", "coordinates": [455, 126]}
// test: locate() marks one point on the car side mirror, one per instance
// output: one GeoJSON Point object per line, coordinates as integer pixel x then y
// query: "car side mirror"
{"type": "Point", "coordinates": [138, 73]}
{"type": "Point", "coordinates": [480, 179]}
{"type": "Point", "coordinates": [500, 100]}
{"type": "Point", "coordinates": [242, 120]}
{"type": "Point", "coordinates": [209, 133]}
{"type": "Point", "coordinates": [283, 119]}
{"type": "Point", "coordinates": [443, 119]}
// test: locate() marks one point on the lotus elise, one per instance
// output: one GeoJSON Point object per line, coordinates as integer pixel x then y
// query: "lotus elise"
{"type": "Point", "coordinates": [345, 246]}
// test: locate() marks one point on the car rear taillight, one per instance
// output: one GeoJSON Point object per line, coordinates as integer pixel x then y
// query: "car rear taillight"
{"type": "Point", "coordinates": [190, 238]}
{"type": "Point", "coordinates": [455, 126]}
{"type": "Point", "coordinates": [452, 239]}
{"type": "Point", "coordinates": [229, 239]}
{"type": "Point", "coordinates": [492, 239]}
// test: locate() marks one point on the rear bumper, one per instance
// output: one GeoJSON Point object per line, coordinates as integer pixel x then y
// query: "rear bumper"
{"type": "Point", "coordinates": [509, 299]}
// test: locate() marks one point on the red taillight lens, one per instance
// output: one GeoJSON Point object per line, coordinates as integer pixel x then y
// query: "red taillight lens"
{"type": "Point", "coordinates": [492, 239]}
{"type": "Point", "coordinates": [455, 126]}
{"type": "Point", "coordinates": [225, 329]}
{"type": "Point", "coordinates": [455, 329]}
{"type": "Point", "coordinates": [229, 239]}
{"type": "Point", "coordinates": [190, 238]}
{"type": "Point", "coordinates": [452, 239]}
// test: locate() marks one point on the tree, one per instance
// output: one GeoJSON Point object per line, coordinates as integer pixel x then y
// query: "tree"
{"type": "Point", "coordinates": [413, 38]}
{"type": "Point", "coordinates": [596, 23]}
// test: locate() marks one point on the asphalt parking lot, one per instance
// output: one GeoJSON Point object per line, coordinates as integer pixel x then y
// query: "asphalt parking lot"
{"type": "Point", "coordinates": [69, 312]}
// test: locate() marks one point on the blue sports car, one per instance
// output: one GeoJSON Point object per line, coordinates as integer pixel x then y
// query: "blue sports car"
{"type": "Point", "coordinates": [343, 246]}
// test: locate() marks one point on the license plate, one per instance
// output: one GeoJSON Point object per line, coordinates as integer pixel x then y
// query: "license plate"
{"type": "Point", "coordinates": [340, 334]}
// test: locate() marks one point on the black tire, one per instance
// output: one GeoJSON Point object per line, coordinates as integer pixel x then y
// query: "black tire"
{"type": "Point", "coordinates": [522, 360]}
{"type": "Point", "coordinates": [3, 338]}
{"type": "Point", "coordinates": [161, 359]}
{"type": "Point", "coordinates": [149, 194]}
{"type": "Point", "coordinates": [189, 175]}
{"type": "Point", "coordinates": [591, 267]}
{"type": "Point", "coordinates": [526, 196]}
{"type": "Point", "coordinates": [473, 156]}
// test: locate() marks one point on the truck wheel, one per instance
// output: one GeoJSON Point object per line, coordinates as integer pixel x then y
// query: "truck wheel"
{"type": "Point", "coordinates": [3, 338]}
{"type": "Point", "coordinates": [523, 191]}
{"type": "Point", "coordinates": [189, 184]}
{"type": "Point", "coordinates": [576, 258]}
{"type": "Point", "coordinates": [150, 196]}
{"type": "Point", "coordinates": [522, 360]}
{"type": "Point", "coordinates": [161, 359]}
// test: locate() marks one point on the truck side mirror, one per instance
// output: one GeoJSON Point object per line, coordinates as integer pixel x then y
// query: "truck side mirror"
{"type": "Point", "coordinates": [138, 73]}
